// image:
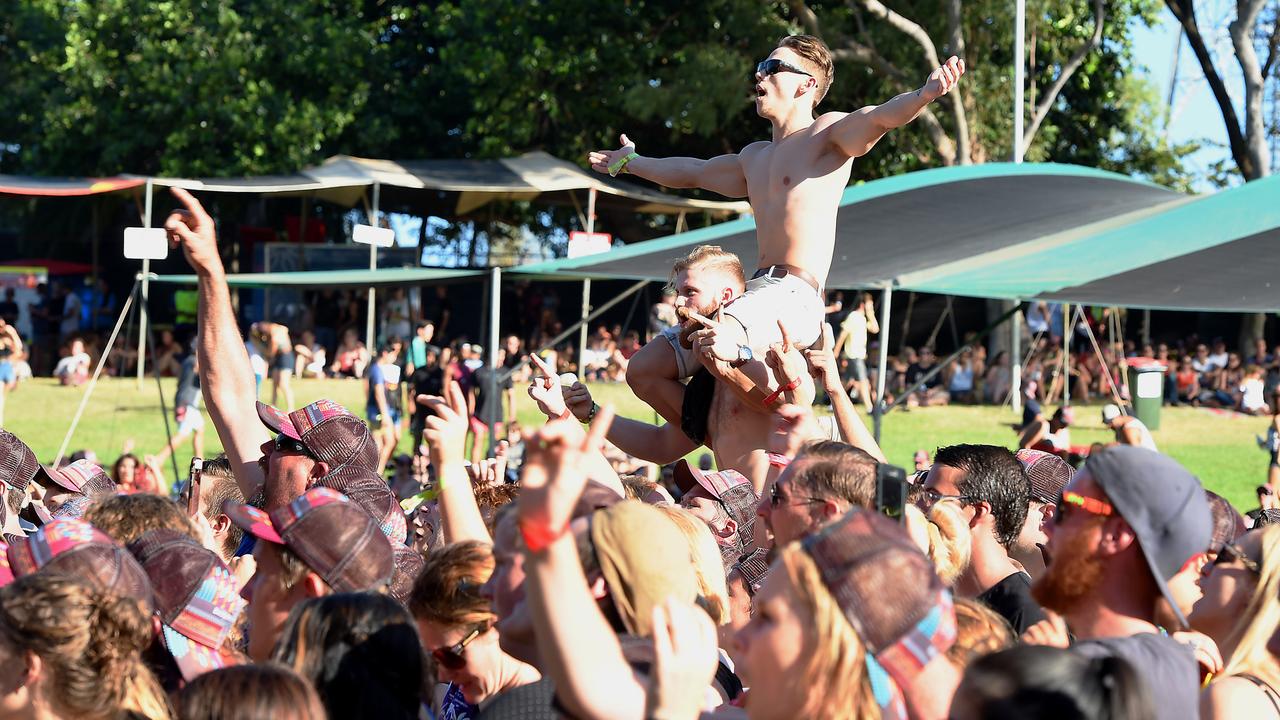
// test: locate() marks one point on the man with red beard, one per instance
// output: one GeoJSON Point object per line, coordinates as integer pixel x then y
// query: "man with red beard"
{"type": "Point", "coordinates": [1127, 522]}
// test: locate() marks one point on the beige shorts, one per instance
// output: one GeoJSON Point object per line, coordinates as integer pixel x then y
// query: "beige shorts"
{"type": "Point", "coordinates": [768, 300]}
{"type": "Point", "coordinates": [686, 361]}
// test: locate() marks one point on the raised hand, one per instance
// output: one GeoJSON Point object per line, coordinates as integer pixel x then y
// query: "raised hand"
{"type": "Point", "coordinates": [943, 79]}
{"type": "Point", "coordinates": [578, 398]}
{"type": "Point", "coordinates": [822, 361]}
{"type": "Point", "coordinates": [553, 477]}
{"type": "Point", "coordinates": [193, 229]}
{"type": "Point", "coordinates": [1051, 632]}
{"type": "Point", "coordinates": [601, 159]}
{"type": "Point", "coordinates": [684, 661]}
{"type": "Point", "coordinates": [446, 428]}
{"type": "Point", "coordinates": [783, 359]}
{"type": "Point", "coordinates": [546, 390]}
{"type": "Point", "coordinates": [794, 426]}
{"type": "Point", "coordinates": [715, 338]}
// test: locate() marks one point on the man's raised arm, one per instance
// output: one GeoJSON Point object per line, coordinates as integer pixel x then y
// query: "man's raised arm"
{"type": "Point", "coordinates": [856, 133]}
{"type": "Point", "coordinates": [226, 378]}
{"type": "Point", "coordinates": [721, 174]}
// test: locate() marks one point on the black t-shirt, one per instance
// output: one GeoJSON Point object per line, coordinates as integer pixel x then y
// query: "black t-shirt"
{"type": "Point", "coordinates": [1011, 599]}
{"type": "Point", "coordinates": [916, 371]}
{"type": "Point", "coordinates": [489, 408]}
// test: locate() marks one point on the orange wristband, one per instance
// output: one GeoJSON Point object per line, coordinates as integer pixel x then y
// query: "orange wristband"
{"type": "Point", "coordinates": [537, 537]}
{"type": "Point", "coordinates": [771, 399]}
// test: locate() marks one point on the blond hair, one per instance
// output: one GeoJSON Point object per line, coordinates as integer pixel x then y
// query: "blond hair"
{"type": "Point", "coordinates": [707, 565]}
{"type": "Point", "coordinates": [90, 642]}
{"type": "Point", "coordinates": [709, 257]}
{"type": "Point", "coordinates": [944, 537]}
{"type": "Point", "coordinates": [818, 55]}
{"type": "Point", "coordinates": [1260, 618]}
{"type": "Point", "coordinates": [836, 677]}
{"type": "Point", "coordinates": [979, 631]}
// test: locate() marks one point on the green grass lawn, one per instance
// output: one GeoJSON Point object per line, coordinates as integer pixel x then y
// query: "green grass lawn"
{"type": "Point", "coordinates": [1220, 449]}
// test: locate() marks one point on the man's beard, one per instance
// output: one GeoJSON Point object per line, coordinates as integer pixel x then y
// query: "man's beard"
{"type": "Point", "coordinates": [1073, 574]}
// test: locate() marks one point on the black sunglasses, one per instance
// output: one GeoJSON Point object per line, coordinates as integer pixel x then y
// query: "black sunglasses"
{"type": "Point", "coordinates": [776, 498]}
{"type": "Point", "coordinates": [284, 443]}
{"type": "Point", "coordinates": [1231, 552]}
{"type": "Point", "coordinates": [773, 66]}
{"type": "Point", "coordinates": [452, 657]}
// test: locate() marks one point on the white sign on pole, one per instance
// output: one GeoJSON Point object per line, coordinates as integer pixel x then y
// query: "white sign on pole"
{"type": "Point", "coordinates": [145, 244]}
{"type": "Point", "coordinates": [370, 235]}
{"type": "Point", "coordinates": [582, 244]}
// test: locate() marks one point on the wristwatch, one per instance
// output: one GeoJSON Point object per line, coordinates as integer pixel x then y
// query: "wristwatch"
{"type": "Point", "coordinates": [744, 357]}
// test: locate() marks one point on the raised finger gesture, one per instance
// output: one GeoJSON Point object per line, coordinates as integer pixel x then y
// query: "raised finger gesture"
{"type": "Point", "coordinates": [713, 340]}
{"type": "Point", "coordinates": [822, 361]}
{"type": "Point", "coordinates": [193, 229]}
{"type": "Point", "coordinates": [545, 389]}
{"type": "Point", "coordinates": [553, 477]}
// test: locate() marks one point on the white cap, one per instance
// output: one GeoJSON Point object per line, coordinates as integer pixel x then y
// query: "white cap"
{"type": "Point", "coordinates": [1110, 412]}
{"type": "Point", "coordinates": [568, 379]}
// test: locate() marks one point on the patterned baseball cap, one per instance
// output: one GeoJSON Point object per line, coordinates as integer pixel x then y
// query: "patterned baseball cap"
{"type": "Point", "coordinates": [1046, 473]}
{"type": "Point", "coordinates": [330, 432]}
{"type": "Point", "coordinates": [82, 476]}
{"type": "Point", "coordinates": [76, 548]}
{"type": "Point", "coordinates": [409, 564]}
{"type": "Point", "coordinates": [731, 489]}
{"type": "Point", "coordinates": [370, 491]}
{"type": "Point", "coordinates": [858, 557]}
{"type": "Point", "coordinates": [335, 537]}
{"type": "Point", "coordinates": [18, 464]}
{"type": "Point", "coordinates": [6, 573]}
{"type": "Point", "coordinates": [197, 599]}
{"type": "Point", "coordinates": [753, 567]}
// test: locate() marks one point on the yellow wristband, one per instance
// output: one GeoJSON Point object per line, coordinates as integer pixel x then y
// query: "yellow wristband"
{"type": "Point", "coordinates": [621, 165]}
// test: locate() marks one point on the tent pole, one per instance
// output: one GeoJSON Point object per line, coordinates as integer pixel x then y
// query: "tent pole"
{"type": "Point", "coordinates": [1068, 327]}
{"type": "Point", "coordinates": [142, 306]}
{"type": "Point", "coordinates": [491, 392]}
{"type": "Point", "coordinates": [1146, 327]}
{"type": "Point", "coordinates": [877, 411]}
{"type": "Point", "coordinates": [1019, 54]}
{"type": "Point", "coordinates": [373, 265]}
{"type": "Point", "coordinates": [586, 291]}
{"type": "Point", "coordinates": [97, 371]}
{"type": "Point", "coordinates": [1015, 360]}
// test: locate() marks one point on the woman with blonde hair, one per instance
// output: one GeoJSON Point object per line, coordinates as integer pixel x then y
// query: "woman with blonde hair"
{"type": "Point", "coordinates": [823, 615]}
{"type": "Point", "coordinates": [707, 565]}
{"type": "Point", "coordinates": [69, 650]}
{"type": "Point", "coordinates": [1240, 610]}
{"type": "Point", "coordinates": [456, 625]}
{"type": "Point", "coordinates": [944, 536]}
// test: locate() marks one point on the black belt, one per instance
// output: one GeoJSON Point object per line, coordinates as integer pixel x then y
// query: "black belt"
{"type": "Point", "coordinates": [781, 271]}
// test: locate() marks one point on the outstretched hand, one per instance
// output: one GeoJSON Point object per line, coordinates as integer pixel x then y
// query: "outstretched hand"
{"type": "Point", "coordinates": [546, 390]}
{"type": "Point", "coordinates": [446, 427]}
{"type": "Point", "coordinates": [193, 229]}
{"type": "Point", "coordinates": [943, 79]}
{"type": "Point", "coordinates": [553, 477]}
{"type": "Point", "coordinates": [601, 159]}
{"type": "Point", "coordinates": [822, 360]}
{"type": "Point", "coordinates": [783, 359]}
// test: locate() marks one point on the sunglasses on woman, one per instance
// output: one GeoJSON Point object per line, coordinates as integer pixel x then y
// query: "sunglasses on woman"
{"type": "Point", "coordinates": [452, 657]}
{"type": "Point", "coordinates": [1231, 552]}
{"type": "Point", "coordinates": [773, 66]}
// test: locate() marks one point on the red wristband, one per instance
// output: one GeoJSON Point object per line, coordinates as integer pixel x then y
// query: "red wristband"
{"type": "Point", "coordinates": [537, 537]}
{"type": "Point", "coordinates": [778, 460]}
{"type": "Point", "coordinates": [771, 399]}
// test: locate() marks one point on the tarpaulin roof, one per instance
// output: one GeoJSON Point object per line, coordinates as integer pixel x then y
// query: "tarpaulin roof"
{"type": "Point", "coordinates": [458, 187]}
{"type": "Point", "coordinates": [915, 222]}
{"type": "Point", "coordinates": [383, 277]}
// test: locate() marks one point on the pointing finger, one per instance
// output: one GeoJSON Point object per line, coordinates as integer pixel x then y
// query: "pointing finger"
{"type": "Point", "coordinates": [786, 339]}
{"type": "Point", "coordinates": [190, 202]}
{"type": "Point", "coordinates": [706, 321]}
{"type": "Point", "coordinates": [542, 365]}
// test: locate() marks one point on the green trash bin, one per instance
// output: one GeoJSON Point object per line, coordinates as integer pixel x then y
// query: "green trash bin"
{"type": "Point", "coordinates": [1146, 387]}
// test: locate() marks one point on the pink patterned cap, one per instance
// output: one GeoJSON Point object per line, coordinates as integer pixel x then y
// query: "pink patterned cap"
{"type": "Point", "coordinates": [335, 537]}
{"type": "Point", "coordinates": [74, 547]}
{"type": "Point", "coordinates": [330, 433]}
{"type": "Point", "coordinates": [81, 476]}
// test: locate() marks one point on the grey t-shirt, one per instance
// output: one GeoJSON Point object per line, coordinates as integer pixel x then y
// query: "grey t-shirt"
{"type": "Point", "coordinates": [1168, 666]}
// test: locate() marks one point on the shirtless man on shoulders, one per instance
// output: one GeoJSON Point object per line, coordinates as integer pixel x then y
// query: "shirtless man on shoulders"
{"type": "Point", "coordinates": [794, 183]}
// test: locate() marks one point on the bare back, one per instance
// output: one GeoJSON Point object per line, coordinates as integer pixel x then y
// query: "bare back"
{"type": "Point", "coordinates": [794, 186]}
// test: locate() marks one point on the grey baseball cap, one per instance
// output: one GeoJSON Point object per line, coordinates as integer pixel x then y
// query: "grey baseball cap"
{"type": "Point", "coordinates": [1163, 503]}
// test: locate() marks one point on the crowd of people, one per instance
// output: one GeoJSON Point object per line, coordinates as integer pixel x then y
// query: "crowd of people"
{"type": "Point", "coordinates": [796, 575]}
